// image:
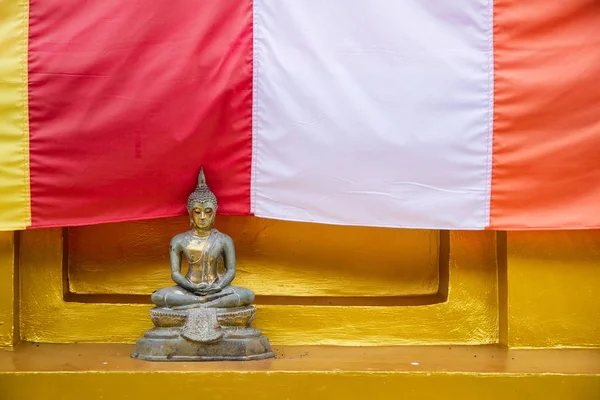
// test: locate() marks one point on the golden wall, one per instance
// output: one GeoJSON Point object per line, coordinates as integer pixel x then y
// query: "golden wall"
{"type": "Point", "coordinates": [315, 284]}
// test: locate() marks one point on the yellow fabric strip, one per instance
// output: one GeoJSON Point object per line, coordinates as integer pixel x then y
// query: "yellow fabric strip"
{"type": "Point", "coordinates": [15, 209]}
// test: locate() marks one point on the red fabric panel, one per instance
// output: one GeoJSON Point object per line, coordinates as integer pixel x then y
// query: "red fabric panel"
{"type": "Point", "coordinates": [127, 100]}
{"type": "Point", "coordinates": [546, 150]}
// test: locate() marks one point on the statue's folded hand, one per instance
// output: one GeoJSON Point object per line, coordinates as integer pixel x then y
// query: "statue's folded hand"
{"type": "Point", "coordinates": [204, 289]}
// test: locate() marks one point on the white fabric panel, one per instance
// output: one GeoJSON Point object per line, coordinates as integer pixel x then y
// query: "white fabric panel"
{"type": "Point", "coordinates": [373, 112]}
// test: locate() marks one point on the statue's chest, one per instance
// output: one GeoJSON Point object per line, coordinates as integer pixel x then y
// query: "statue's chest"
{"type": "Point", "coordinates": [197, 251]}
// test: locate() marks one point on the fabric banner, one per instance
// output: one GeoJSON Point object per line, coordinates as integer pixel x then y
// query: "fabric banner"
{"type": "Point", "coordinates": [470, 114]}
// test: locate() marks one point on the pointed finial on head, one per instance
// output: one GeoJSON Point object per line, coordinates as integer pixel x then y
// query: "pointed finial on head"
{"type": "Point", "coordinates": [202, 192]}
{"type": "Point", "coordinates": [201, 178]}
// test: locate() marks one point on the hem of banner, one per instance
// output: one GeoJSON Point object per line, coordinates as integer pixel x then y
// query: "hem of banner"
{"type": "Point", "coordinates": [322, 222]}
{"type": "Point", "coordinates": [127, 219]}
{"type": "Point", "coordinates": [542, 228]}
{"type": "Point", "coordinates": [372, 225]}
{"type": "Point", "coordinates": [12, 228]}
{"type": "Point", "coordinates": [438, 227]}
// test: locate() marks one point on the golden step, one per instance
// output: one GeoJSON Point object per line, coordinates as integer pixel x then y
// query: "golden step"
{"type": "Point", "coordinates": [105, 371]}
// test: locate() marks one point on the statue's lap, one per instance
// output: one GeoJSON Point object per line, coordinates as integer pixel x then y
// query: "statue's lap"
{"type": "Point", "coordinates": [177, 296]}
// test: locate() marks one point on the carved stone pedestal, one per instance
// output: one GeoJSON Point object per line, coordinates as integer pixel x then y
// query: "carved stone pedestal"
{"type": "Point", "coordinates": [229, 338]}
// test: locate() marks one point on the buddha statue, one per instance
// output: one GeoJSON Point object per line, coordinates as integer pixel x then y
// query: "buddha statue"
{"type": "Point", "coordinates": [211, 258]}
{"type": "Point", "coordinates": [202, 317]}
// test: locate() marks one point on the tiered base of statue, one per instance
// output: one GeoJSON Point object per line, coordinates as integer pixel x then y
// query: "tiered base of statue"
{"type": "Point", "coordinates": [203, 334]}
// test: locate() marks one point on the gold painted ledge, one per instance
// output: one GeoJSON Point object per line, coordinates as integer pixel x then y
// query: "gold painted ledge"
{"type": "Point", "coordinates": [95, 371]}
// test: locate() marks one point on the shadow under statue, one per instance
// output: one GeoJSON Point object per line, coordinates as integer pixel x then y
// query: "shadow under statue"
{"type": "Point", "coordinates": [203, 317]}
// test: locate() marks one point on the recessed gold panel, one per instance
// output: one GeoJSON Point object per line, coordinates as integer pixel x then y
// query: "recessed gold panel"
{"type": "Point", "coordinates": [274, 258]}
{"type": "Point", "coordinates": [467, 315]}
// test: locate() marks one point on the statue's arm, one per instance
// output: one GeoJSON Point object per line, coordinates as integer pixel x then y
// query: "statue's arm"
{"type": "Point", "coordinates": [229, 256]}
{"type": "Point", "coordinates": [175, 256]}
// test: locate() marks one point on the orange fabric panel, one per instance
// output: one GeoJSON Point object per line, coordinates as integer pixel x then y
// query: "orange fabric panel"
{"type": "Point", "coordinates": [546, 149]}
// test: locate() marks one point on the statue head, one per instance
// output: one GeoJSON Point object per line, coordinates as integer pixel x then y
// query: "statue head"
{"type": "Point", "coordinates": [202, 205]}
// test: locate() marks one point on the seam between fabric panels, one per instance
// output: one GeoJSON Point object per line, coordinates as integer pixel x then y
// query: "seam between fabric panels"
{"type": "Point", "coordinates": [254, 128]}
{"type": "Point", "coordinates": [490, 138]}
{"type": "Point", "coordinates": [25, 116]}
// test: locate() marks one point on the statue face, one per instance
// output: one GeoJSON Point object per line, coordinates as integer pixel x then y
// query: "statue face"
{"type": "Point", "coordinates": [203, 215]}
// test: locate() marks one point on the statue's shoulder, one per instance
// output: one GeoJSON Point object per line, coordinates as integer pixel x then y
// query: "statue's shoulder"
{"type": "Point", "coordinates": [180, 238]}
{"type": "Point", "coordinates": [222, 236]}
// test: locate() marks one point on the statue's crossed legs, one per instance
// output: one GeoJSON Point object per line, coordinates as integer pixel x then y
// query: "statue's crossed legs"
{"type": "Point", "coordinates": [177, 298]}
